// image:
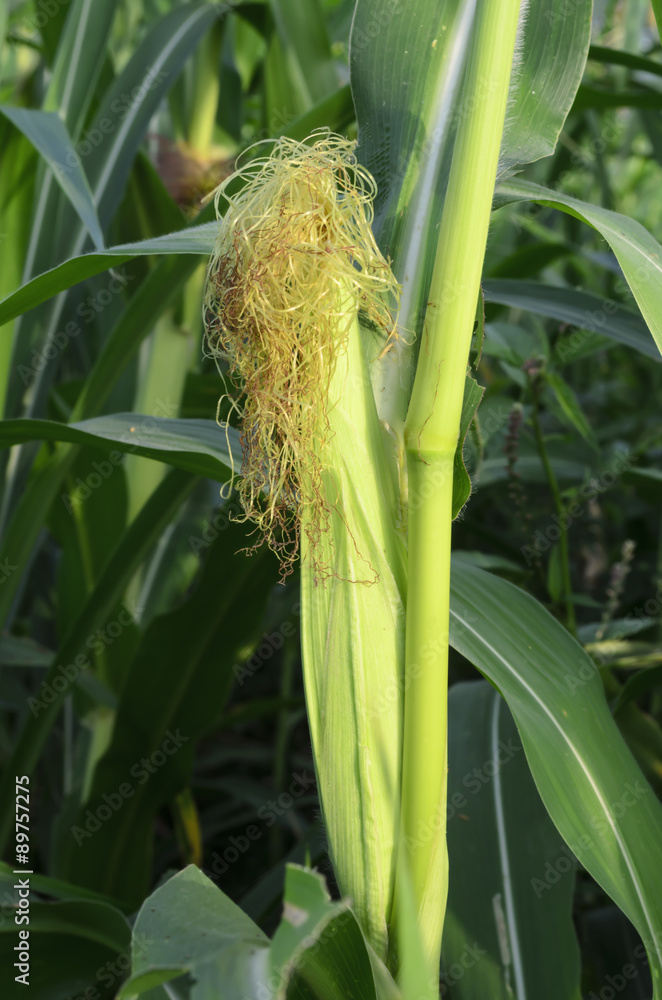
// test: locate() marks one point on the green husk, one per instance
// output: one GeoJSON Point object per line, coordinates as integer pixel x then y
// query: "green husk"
{"type": "Point", "coordinates": [295, 270]}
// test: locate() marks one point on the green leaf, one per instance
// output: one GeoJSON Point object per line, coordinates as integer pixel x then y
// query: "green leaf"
{"type": "Point", "coordinates": [509, 939]}
{"type": "Point", "coordinates": [307, 907]}
{"type": "Point", "coordinates": [641, 683]}
{"type": "Point", "coordinates": [195, 240]}
{"type": "Point", "coordinates": [579, 309]}
{"type": "Point", "coordinates": [321, 941]}
{"type": "Point", "coordinates": [657, 10]}
{"type": "Point", "coordinates": [594, 97]}
{"type": "Point", "coordinates": [568, 406]}
{"type": "Point", "coordinates": [407, 63]}
{"type": "Point", "coordinates": [134, 96]}
{"type": "Point", "coordinates": [182, 653]}
{"type": "Point", "coordinates": [406, 67]}
{"type": "Point", "coordinates": [23, 652]}
{"type": "Point", "coordinates": [56, 887]}
{"type": "Point", "coordinates": [552, 49]}
{"type": "Point", "coordinates": [86, 522]}
{"type": "Point", "coordinates": [591, 786]}
{"type": "Point", "coordinates": [89, 920]}
{"type": "Point", "coordinates": [198, 446]}
{"type": "Point", "coordinates": [301, 29]}
{"type": "Point", "coordinates": [128, 555]}
{"type": "Point", "coordinates": [17, 178]}
{"type": "Point", "coordinates": [602, 54]}
{"type": "Point", "coordinates": [74, 946]}
{"type": "Point", "coordinates": [79, 61]}
{"type": "Point", "coordinates": [473, 393]}
{"type": "Point", "coordinates": [637, 252]}
{"type": "Point", "coordinates": [49, 136]}
{"type": "Point", "coordinates": [190, 926]}
{"type": "Point", "coordinates": [164, 362]}
{"type": "Point", "coordinates": [484, 560]}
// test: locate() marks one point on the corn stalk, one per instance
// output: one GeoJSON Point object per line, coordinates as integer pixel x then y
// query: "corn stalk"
{"type": "Point", "coordinates": [431, 436]}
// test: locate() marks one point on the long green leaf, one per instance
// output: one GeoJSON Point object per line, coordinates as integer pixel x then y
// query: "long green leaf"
{"type": "Point", "coordinates": [73, 946]}
{"type": "Point", "coordinates": [17, 175]}
{"type": "Point", "coordinates": [49, 136]}
{"type": "Point", "coordinates": [118, 130]}
{"type": "Point", "coordinates": [79, 61]}
{"type": "Point", "coordinates": [88, 920]}
{"type": "Point", "coordinates": [133, 325]}
{"type": "Point", "coordinates": [593, 97]}
{"type": "Point", "coordinates": [141, 535]}
{"type": "Point", "coordinates": [301, 29]}
{"type": "Point", "coordinates": [195, 240]}
{"type": "Point", "coordinates": [603, 54]}
{"type": "Point", "coordinates": [509, 939]}
{"type": "Point", "coordinates": [637, 252]}
{"type": "Point", "coordinates": [70, 91]}
{"type": "Point", "coordinates": [152, 70]}
{"type": "Point", "coordinates": [579, 309]}
{"type": "Point", "coordinates": [55, 888]}
{"type": "Point", "coordinates": [406, 70]}
{"type": "Point", "coordinates": [197, 446]}
{"type": "Point", "coordinates": [553, 44]}
{"type": "Point", "coordinates": [590, 784]}
{"type": "Point", "coordinates": [189, 650]}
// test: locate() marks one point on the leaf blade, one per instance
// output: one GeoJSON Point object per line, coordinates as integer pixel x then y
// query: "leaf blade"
{"type": "Point", "coordinates": [500, 839]}
{"type": "Point", "coordinates": [584, 771]}
{"type": "Point", "coordinates": [579, 309]}
{"type": "Point", "coordinates": [638, 253]}
{"type": "Point", "coordinates": [197, 446]}
{"type": "Point", "coordinates": [49, 136]}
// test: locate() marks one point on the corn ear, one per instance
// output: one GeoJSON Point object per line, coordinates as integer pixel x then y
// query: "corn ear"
{"type": "Point", "coordinates": [353, 650]}
{"type": "Point", "coordinates": [295, 266]}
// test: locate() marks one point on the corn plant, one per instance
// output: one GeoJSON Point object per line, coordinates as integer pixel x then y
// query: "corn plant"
{"type": "Point", "coordinates": [339, 277]}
